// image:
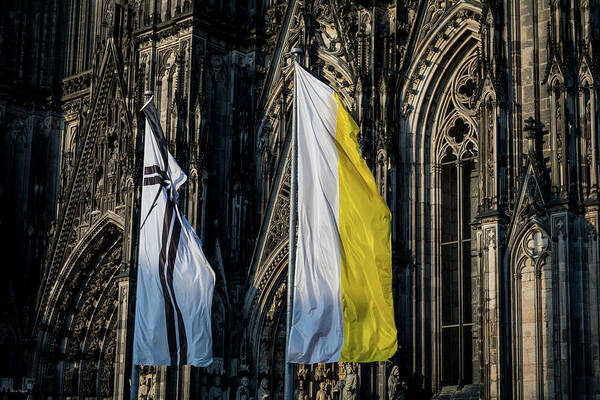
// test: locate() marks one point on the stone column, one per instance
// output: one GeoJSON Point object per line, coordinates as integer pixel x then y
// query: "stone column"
{"type": "Point", "coordinates": [560, 234]}
{"type": "Point", "coordinates": [592, 245]}
{"type": "Point", "coordinates": [491, 329]}
{"type": "Point", "coordinates": [183, 382]}
{"type": "Point", "coordinates": [123, 356]}
{"type": "Point", "coordinates": [381, 380]}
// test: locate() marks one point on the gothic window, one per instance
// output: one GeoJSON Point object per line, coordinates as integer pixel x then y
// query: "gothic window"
{"type": "Point", "coordinates": [458, 177]}
{"type": "Point", "coordinates": [459, 204]}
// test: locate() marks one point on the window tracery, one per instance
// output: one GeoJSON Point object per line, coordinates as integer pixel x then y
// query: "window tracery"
{"type": "Point", "coordinates": [458, 177]}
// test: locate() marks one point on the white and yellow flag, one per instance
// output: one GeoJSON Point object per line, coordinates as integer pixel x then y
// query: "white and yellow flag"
{"type": "Point", "coordinates": [342, 307]}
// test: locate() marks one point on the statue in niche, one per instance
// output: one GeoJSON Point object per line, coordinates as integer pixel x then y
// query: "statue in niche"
{"type": "Point", "coordinates": [144, 388]}
{"type": "Point", "coordinates": [302, 372]}
{"type": "Point", "coordinates": [106, 380]}
{"type": "Point", "coordinates": [215, 392]}
{"type": "Point", "coordinates": [88, 380]}
{"type": "Point", "coordinates": [265, 362]}
{"type": "Point", "coordinates": [349, 387]}
{"type": "Point", "coordinates": [396, 389]}
{"type": "Point", "coordinates": [320, 372]}
{"type": "Point", "coordinates": [322, 392]}
{"type": "Point", "coordinates": [299, 393]}
{"type": "Point", "coordinates": [263, 390]}
{"type": "Point", "coordinates": [70, 380]}
{"type": "Point", "coordinates": [112, 163]}
{"type": "Point", "coordinates": [243, 393]}
{"type": "Point", "coordinates": [99, 183]}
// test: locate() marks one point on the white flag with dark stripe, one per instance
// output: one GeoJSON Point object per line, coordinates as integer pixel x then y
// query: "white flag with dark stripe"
{"type": "Point", "coordinates": [175, 281]}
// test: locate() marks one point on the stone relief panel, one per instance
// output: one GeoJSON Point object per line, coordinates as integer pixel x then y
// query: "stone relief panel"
{"type": "Point", "coordinates": [82, 326]}
{"type": "Point", "coordinates": [148, 383]}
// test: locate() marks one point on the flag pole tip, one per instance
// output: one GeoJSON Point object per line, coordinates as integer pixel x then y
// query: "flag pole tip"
{"type": "Point", "coordinates": [296, 53]}
{"type": "Point", "coordinates": [149, 96]}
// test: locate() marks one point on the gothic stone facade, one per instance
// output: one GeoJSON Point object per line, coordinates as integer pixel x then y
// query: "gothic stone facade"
{"type": "Point", "coordinates": [479, 120]}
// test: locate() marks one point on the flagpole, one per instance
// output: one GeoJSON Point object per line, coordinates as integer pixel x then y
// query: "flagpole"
{"type": "Point", "coordinates": [289, 367]}
{"type": "Point", "coordinates": [135, 371]}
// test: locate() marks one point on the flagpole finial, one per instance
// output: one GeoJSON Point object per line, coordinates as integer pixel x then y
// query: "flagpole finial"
{"type": "Point", "coordinates": [297, 53]}
{"type": "Point", "coordinates": [149, 95]}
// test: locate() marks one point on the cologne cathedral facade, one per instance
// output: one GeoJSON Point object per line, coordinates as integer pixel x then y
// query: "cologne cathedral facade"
{"type": "Point", "coordinates": [479, 121]}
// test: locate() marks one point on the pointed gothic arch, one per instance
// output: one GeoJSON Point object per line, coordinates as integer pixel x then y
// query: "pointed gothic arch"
{"type": "Point", "coordinates": [532, 312]}
{"type": "Point", "coordinates": [78, 343]}
{"type": "Point", "coordinates": [441, 142]}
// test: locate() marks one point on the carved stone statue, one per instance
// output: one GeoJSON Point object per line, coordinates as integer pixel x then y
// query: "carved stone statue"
{"type": "Point", "coordinates": [320, 372]}
{"type": "Point", "coordinates": [263, 390]}
{"type": "Point", "coordinates": [350, 389]}
{"type": "Point", "coordinates": [299, 393]}
{"type": "Point", "coordinates": [215, 392]}
{"type": "Point", "coordinates": [106, 380]}
{"type": "Point", "coordinates": [144, 388]}
{"type": "Point", "coordinates": [322, 392]}
{"type": "Point", "coordinates": [112, 163]}
{"type": "Point", "coordinates": [69, 382]}
{"type": "Point", "coordinates": [243, 393]}
{"type": "Point", "coordinates": [394, 384]}
{"type": "Point", "coordinates": [302, 373]}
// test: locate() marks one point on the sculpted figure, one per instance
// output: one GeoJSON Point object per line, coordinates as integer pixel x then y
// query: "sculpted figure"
{"type": "Point", "coordinates": [243, 393]}
{"type": "Point", "coordinates": [322, 392]}
{"type": "Point", "coordinates": [263, 390]}
{"type": "Point", "coordinates": [144, 388]}
{"type": "Point", "coordinates": [350, 389]}
{"type": "Point", "coordinates": [299, 393]}
{"type": "Point", "coordinates": [394, 383]}
{"type": "Point", "coordinates": [302, 373]}
{"type": "Point", "coordinates": [320, 372]}
{"type": "Point", "coordinates": [215, 392]}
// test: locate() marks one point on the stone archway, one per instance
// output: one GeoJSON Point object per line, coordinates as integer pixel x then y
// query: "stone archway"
{"type": "Point", "coordinates": [441, 163]}
{"type": "Point", "coordinates": [532, 312]}
{"type": "Point", "coordinates": [77, 347]}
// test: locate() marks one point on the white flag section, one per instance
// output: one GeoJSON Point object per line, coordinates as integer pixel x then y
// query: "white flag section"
{"type": "Point", "coordinates": [175, 282]}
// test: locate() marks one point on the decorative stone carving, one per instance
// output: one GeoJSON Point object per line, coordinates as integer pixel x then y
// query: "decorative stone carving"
{"type": "Point", "coordinates": [216, 392]}
{"type": "Point", "coordinates": [263, 392]}
{"type": "Point", "coordinates": [302, 372]}
{"type": "Point", "coordinates": [243, 392]}
{"type": "Point", "coordinates": [299, 392]}
{"type": "Point", "coordinates": [396, 389]}
{"type": "Point", "coordinates": [535, 243]}
{"type": "Point", "coordinates": [321, 372]}
{"type": "Point", "coordinates": [217, 367]}
{"type": "Point", "coordinates": [144, 387]}
{"type": "Point", "coordinates": [70, 380]}
{"type": "Point", "coordinates": [350, 383]}
{"type": "Point", "coordinates": [105, 388]}
{"type": "Point", "coordinates": [322, 392]}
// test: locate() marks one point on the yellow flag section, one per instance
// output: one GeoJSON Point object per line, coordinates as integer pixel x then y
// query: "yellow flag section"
{"type": "Point", "coordinates": [342, 308]}
{"type": "Point", "coordinates": [365, 235]}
